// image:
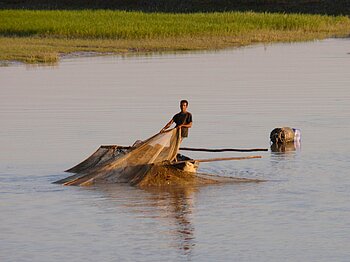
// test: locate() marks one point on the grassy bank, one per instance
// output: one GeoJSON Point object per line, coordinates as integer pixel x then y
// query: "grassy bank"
{"type": "Point", "coordinates": [41, 36]}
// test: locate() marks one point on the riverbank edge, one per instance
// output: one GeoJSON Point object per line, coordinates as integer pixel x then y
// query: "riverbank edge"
{"type": "Point", "coordinates": [50, 51]}
{"type": "Point", "coordinates": [42, 44]}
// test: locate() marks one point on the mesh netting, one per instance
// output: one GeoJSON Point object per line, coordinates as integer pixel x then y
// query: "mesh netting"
{"type": "Point", "coordinates": [146, 164]}
{"type": "Point", "coordinates": [126, 166]}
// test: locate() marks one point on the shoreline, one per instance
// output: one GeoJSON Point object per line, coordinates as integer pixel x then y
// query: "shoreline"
{"type": "Point", "coordinates": [46, 37]}
{"type": "Point", "coordinates": [91, 54]}
{"type": "Point", "coordinates": [86, 54]}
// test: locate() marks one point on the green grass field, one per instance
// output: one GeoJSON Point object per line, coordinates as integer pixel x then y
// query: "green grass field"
{"type": "Point", "coordinates": [41, 36]}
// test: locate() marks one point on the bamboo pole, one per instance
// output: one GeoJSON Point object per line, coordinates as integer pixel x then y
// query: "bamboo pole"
{"type": "Point", "coordinates": [198, 149]}
{"type": "Point", "coordinates": [217, 159]}
{"type": "Point", "coordinates": [223, 149]}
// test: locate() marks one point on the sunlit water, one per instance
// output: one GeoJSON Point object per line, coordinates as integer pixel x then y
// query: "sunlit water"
{"type": "Point", "coordinates": [51, 118]}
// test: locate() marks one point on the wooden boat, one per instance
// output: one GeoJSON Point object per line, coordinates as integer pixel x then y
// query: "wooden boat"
{"type": "Point", "coordinates": [130, 164]}
{"type": "Point", "coordinates": [108, 153]}
{"type": "Point", "coordinates": [151, 162]}
{"type": "Point", "coordinates": [185, 163]}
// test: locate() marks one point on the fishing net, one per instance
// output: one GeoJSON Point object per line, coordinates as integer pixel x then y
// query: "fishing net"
{"type": "Point", "coordinates": [145, 164]}
{"type": "Point", "coordinates": [113, 165]}
{"type": "Point", "coordinates": [102, 156]}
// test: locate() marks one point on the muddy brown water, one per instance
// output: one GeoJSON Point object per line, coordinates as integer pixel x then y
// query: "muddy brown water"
{"type": "Point", "coordinates": [53, 117]}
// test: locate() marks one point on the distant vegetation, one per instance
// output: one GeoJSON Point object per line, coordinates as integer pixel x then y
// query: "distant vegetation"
{"type": "Point", "coordinates": [330, 7]}
{"type": "Point", "coordinates": [42, 36]}
{"type": "Point", "coordinates": [137, 25]}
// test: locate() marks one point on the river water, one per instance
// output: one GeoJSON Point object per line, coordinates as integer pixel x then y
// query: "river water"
{"type": "Point", "coordinates": [51, 118]}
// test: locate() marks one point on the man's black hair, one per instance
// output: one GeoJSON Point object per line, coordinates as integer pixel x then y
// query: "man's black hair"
{"type": "Point", "coordinates": [184, 101]}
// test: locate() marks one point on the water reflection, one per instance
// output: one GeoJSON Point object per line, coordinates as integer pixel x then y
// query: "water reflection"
{"type": "Point", "coordinates": [284, 151]}
{"type": "Point", "coordinates": [178, 204]}
{"type": "Point", "coordinates": [285, 147]}
{"type": "Point", "coordinates": [171, 206]}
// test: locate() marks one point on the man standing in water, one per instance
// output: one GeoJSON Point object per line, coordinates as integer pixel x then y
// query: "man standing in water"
{"type": "Point", "coordinates": [182, 120]}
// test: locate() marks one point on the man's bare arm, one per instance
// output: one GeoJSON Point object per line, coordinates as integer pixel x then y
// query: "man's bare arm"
{"type": "Point", "coordinates": [167, 125]}
{"type": "Point", "coordinates": [189, 125]}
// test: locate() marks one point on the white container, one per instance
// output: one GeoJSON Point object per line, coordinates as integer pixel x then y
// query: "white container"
{"type": "Point", "coordinates": [297, 135]}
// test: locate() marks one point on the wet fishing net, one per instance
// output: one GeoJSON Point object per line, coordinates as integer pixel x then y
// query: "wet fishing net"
{"type": "Point", "coordinates": [120, 165]}
{"type": "Point", "coordinates": [153, 162]}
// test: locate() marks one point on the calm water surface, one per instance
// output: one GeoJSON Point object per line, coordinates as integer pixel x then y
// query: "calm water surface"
{"type": "Point", "coordinates": [53, 117]}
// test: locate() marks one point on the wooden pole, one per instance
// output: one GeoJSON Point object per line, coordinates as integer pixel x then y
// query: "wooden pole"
{"type": "Point", "coordinates": [217, 159]}
{"type": "Point", "coordinates": [197, 149]}
{"type": "Point", "coordinates": [223, 149]}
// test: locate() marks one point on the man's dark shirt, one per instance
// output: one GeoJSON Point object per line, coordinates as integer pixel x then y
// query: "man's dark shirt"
{"type": "Point", "coordinates": [183, 118]}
